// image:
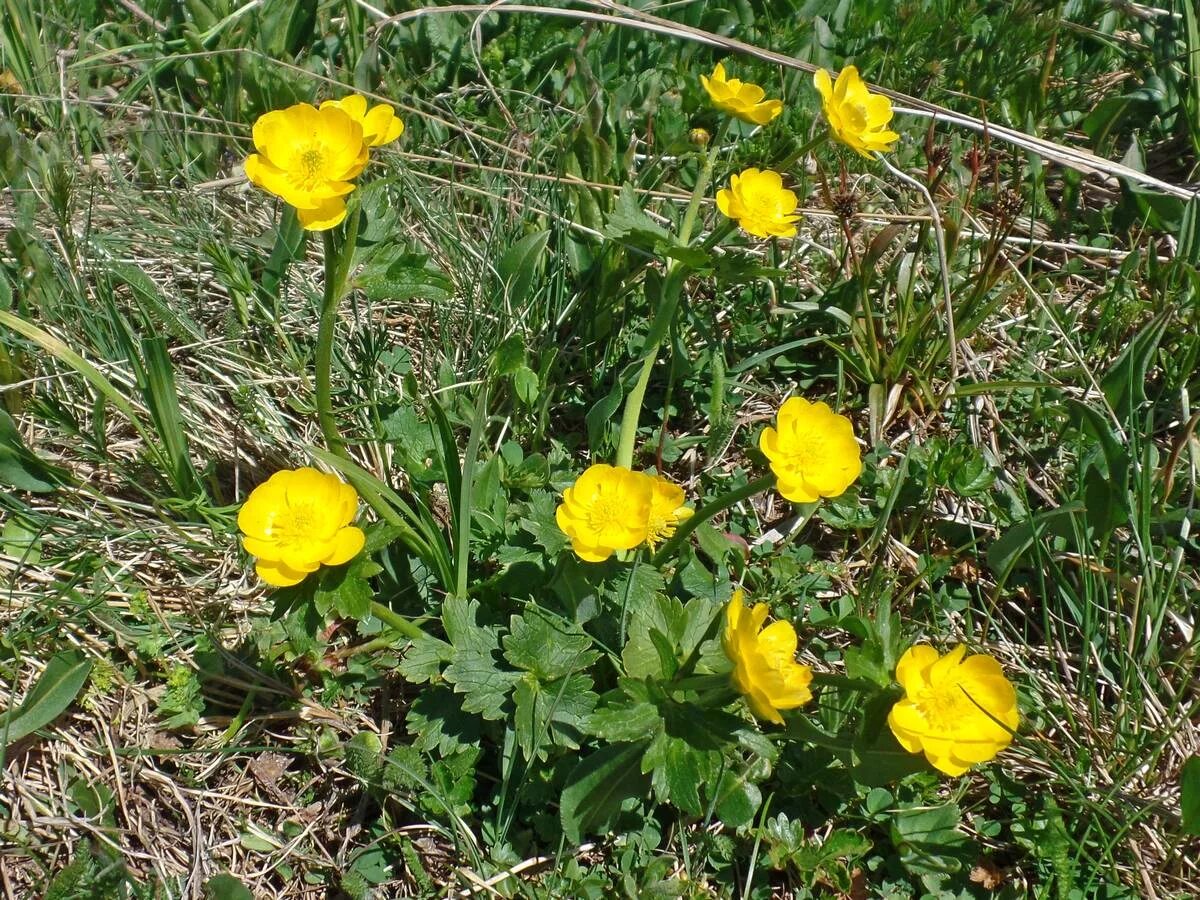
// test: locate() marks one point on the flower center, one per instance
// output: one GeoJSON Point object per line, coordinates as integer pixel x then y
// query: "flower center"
{"type": "Point", "coordinates": [856, 116]}
{"type": "Point", "coordinates": [310, 167]}
{"type": "Point", "coordinates": [944, 706]}
{"type": "Point", "coordinates": [764, 205]}
{"type": "Point", "coordinates": [296, 525]}
{"type": "Point", "coordinates": [660, 528]}
{"type": "Point", "coordinates": [605, 513]}
{"type": "Point", "coordinates": [808, 450]}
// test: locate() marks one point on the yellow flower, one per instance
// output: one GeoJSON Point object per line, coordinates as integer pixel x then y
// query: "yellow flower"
{"type": "Point", "coordinates": [380, 124]}
{"type": "Point", "coordinates": [764, 662]}
{"type": "Point", "coordinates": [740, 99]}
{"type": "Point", "coordinates": [605, 510]}
{"type": "Point", "coordinates": [307, 156]}
{"type": "Point", "coordinates": [296, 522]}
{"type": "Point", "coordinates": [760, 204]}
{"type": "Point", "coordinates": [666, 509]}
{"type": "Point", "coordinates": [958, 711]}
{"type": "Point", "coordinates": [813, 454]}
{"type": "Point", "coordinates": [857, 118]}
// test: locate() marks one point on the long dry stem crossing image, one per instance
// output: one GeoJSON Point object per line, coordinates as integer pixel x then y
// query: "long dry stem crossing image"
{"type": "Point", "coordinates": [586, 449]}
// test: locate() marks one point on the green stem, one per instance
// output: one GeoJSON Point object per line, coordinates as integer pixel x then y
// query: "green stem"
{"type": "Point", "coordinates": [390, 617]}
{"type": "Point", "coordinates": [706, 512]}
{"type": "Point", "coordinates": [672, 286]}
{"type": "Point", "coordinates": [462, 544]}
{"type": "Point", "coordinates": [324, 360]}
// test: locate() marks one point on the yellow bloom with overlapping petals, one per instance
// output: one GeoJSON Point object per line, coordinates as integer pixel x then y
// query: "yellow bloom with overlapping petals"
{"type": "Point", "coordinates": [667, 510]}
{"type": "Point", "coordinates": [607, 509]}
{"type": "Point", "coordinates": [812, 451]}
{"type": "Point", "coordinates": [857, 118]}
{"type": "Point", "coordinates": [760, 203]}
{"type": "Point", "coordinates": [958, 710]}
{"type": "Point", "coordinates": [765, 670]}
{"type": "Point", "coordinates": [297, 521]}
{"type": "Point", "coordinates": [740, 98]}
{"type": "Point", "coordinates": [307, 157]}
{"type": "Point", "coordinates": [380, 124]}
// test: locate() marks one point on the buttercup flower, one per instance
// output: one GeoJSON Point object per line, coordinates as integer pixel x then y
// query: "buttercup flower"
{"type": "Point", "coordinates": [605, 510]}
{"type": "Point", "coordinates": [307, 156]}
{"type": "Point", "coordinates": [740, 98]}
{"type": "Point", "coordinates": [813, 453]}
{"type": "Point", "coordinates": [957, 711]}
{"type": "Point", "coordinates": [764, 661]}
{"type": "Point", "coordinates": [380, 124]}
{"type": "Point", "coordinates": [297, 521]}
{"type": "Point", "coordinates": [857, 118]}
{"type": "Point", "coordinates": [760, 204]}
{"type": "Point", "coordinates": [667, 509]}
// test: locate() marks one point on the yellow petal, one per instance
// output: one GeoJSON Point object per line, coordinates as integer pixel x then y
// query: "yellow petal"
{"type": "Point", "coordinates": [277, 574]}
{"type": "Point", "coordinates": [795, 490]}
{"type": "Point", "coordinates": [328, 213]}
{"type": "Point", "coordinates": [946, 668]}
{"type": "Point", "coordinates": [823, 84]}
{"type": "Point", "coordinates": [263, 506]}
{"type": "Point", "coordinates": [912, 671]}
{"type": "Point", "coordinates": [346, 545]}
{"type": "Point", "coordinates": [750, 94]}
{"type": "Point", "coordinates": [908, 739]}
{"type": "Point", "coordinates": [263, 549]}
{"type": "Point", "coordinates": [847, 79]}
{"type": "Point", "coordinates": [381, 126]}
{"type": "Point", "coordinates": [761, 706]}
{"type": "Point", "coordinates": [354, 105]}
{"type": "Point", "coordinates": [946, 763]}
{"type": "Point", "coordinates": [590, 553]}
{"type": "Point", "coordinates": [778, 643]}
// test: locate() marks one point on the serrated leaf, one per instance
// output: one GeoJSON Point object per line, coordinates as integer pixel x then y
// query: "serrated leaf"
{"type": "Point", "coordinates": [663, 633]}
{"type": "Point", "coordinates": [541, 524]}
{"type": "Point", "coordinates": [596, 788]}
{"type": "Point", "coordinates": [553, 713]}
{"type": "Point", "coordinates": [459, 619]}
{"type": "Point", "coordinates": [345, 590]}
{"type": "Point", "coordinates": [624, 721]}
{"type": "Point", "coordinates": [404, 768]}
{"type": "Point", "coordinates": [415, 442]}
{"type": "Point", "coordinates": [679, 770]}
{"type": "Point", "coordinates": [546, 645]}
{"type": "Point", "coordinates": [438, 722]}
{"type": "Point", "coordinates": [60, 683]}
{"type": "Point", "coordinates": [423, 659]}
{"type": "Point", "coordinates": [867, 662]}
{"type": "Point", "coordinates": [484, 687]}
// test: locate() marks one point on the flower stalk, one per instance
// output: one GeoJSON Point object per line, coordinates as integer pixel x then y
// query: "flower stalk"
{"type": "Point", "coordinates": [338, 257]}
{"type": "Point", "coordinates": [706, 512]}
{"type": "Point", "coordinates": [396, 621]}
{"type": "Point", "coordinates": [665, 316]}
